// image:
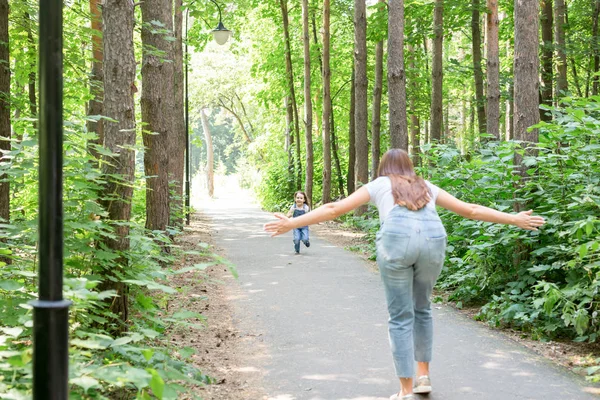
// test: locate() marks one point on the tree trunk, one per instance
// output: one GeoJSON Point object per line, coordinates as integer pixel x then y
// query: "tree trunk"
{"type": "Point", "coordinates": [562, 85]}
{"type": "Point", "coordinates": [476, 32]}
{"type": "Point", "coordinates": [326, 198]}
{"type": "Point", "coordinates": [210, 175]}
{"type": "Point", "coordinates": [32, 75]}
{"type": "Point", "coordinates": [595, 50]}
{"type": "Point", "coordinates": [177, 141]}
{"type": "Point", "coordinates": [350, 181]}
{"type": "Point", "coordinates": [95, 107]}
{"type": "Point", "coordinates": [361, 87]}
{"type": "Point", "coordinates": [376, 116]}
{"type": "Point", "coordinates": [4, 111]}
{"type": "Point", "coordinates": [396, 76]}
{"type": "Point", "coordinates": [415, 135]}
{"type": "Point", "coordinates": [317, 99]}
{"type": "Point", "coordinates": [526, 67]}
{"type": "Point", "coordinates": [435, 132]}
{"type": "Point", "coordinates": [157, 111]}
{"type": "Point", "coordinates": [292, 93]}
{"type": "Point", "coordinates": [336, 157]}
{"type": "Point", "coordinates": [308, 182]}
{"type": "Point", "coordinates": [547, 52]}
{"type": "Point", "coordinates": [493, 71]}
{"type": "Point", "coordinates": [119, 133]}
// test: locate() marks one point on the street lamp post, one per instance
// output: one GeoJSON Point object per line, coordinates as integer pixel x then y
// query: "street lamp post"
{"type": "Point", "coordinates": [220, 35]}
{"type": "Point", "coordinates": [50, 311]}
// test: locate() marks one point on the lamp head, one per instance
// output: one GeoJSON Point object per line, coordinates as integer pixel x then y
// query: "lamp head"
{"type": "Point", "coordinates": [221, 34]}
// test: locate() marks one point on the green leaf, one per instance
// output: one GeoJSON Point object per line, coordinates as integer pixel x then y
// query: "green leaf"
{"type": "Point", "coordinates": [156, 384]}
{"type": "Point", "coordinates": [85, 382]}
{"type": "Point", "coordinates": [10, 286]}
{"type": "Point", "coordinates": [121, 341]}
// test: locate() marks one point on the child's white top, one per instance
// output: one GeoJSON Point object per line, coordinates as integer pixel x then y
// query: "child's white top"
{"type": "Point", "coordinates": [380, 191]}
{"type": "Point", "coordinates": [304, 207]}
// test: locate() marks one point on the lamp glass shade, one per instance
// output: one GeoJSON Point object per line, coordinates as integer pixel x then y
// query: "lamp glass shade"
{"type": "Point", "coordinates": [221, 35]}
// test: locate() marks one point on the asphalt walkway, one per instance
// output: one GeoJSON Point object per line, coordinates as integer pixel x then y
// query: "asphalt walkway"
{"type": "Point", "coordinates": [321, 317]}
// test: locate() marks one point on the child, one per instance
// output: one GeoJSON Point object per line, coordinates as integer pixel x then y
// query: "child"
{"type": "Point", "coordinates": [300, 207]}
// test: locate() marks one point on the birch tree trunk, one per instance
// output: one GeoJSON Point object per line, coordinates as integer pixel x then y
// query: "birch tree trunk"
{"type": "Point", "coordinates": [397, 76]}
{"type": "Point", "coordinates": [210, 175]}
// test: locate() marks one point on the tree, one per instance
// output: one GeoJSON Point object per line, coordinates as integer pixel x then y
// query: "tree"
{"type": "Point", "coordinates": [326, 197]}
{"type": "Point", "coordinates": [308, 182]}
{"type": "Point", "coordinates": [396, 76]}
{"type": "Point", "coordinates": [376, 116]}
{"type": "Point", "coordinates": [4, 110]}
{"type": "Point", "coordinates": [209, 154]}
{"type": "Point", "coordinates": [157, 108]}
{"type": "Point", "coordinates": [478, 74]}
{"type": "Point", "coordinates": [351, 177]}
{"type": "Point", "coordinates": [595, 53]}
{"type": "Point", "coordinates": [177, 140]}
{"type": "Point", "coordinates": [95, 107]}
{"type": "Point", "coordinates": [526, 81]}
{"type": "Point", "coordinates": [291, 105]}
{"type": "Point", "coordinates": [493, 71]}
{"type": "Point", "coordinates": [360, 93]}
{"type": "Point", "coordinates": [437, 72]}
{"type": "Point", "coordinates": [547, 52]}
{"type": "Point", "coordinates": [119, 134]}
{"type": "Point", "coordinates": [561, 51]}
{"type": "Point", "coordinates": [415, 134]}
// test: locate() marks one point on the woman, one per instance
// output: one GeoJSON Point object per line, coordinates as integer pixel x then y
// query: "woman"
{"type": "Point", "coordinates": [411, 245]}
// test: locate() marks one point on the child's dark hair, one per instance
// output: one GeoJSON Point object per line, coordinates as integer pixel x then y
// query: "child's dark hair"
{"type": "Point", "coordinates": [305, 197]}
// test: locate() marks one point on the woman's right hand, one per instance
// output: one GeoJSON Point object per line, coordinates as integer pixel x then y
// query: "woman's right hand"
{"type": "Point", "coordinates": [525, 220]}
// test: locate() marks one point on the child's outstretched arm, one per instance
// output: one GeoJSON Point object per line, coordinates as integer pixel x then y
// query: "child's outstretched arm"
{"type": "Point", "coordinates": [326, 212]}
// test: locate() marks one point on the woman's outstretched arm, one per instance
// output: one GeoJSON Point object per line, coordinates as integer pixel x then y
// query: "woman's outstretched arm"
{"type": "Point", "coordinates": [523, 219]}
{"type": "Point", "coordinates": [326, 212]}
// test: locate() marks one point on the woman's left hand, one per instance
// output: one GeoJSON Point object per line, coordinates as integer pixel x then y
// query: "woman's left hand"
{"type": "Point", "coordinates": [280, 226]}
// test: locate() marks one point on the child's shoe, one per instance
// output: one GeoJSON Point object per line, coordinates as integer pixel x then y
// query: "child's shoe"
{"type": "Point", "coordinates": [405, 397]}
{"type": "Point", "coordinates": [307, 243]}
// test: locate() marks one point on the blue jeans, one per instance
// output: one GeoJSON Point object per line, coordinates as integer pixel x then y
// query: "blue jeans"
{"type": "Point", "coordinates": [411, 249]}
{"type": "Point", "coordinates": [300, 234]}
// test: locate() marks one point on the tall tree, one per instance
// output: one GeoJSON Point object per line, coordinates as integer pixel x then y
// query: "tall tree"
{"type": "Point", "coordinates": [336, 157]}
{"type": "Point", "coordinates": [361, 88]}
{"type": "Point", "coordinates": [376, 115]}
{"type": "Point", "coordinates": [4, 109]}
{"type": "Point", "coordinates": [437, 72]}
{"type": "Point", "coordinates": [351, 179]}
{"type": "Point", "coordinates": [478, 73]}
{"type": "Point", "coordinates": [177, 140]}
{"type": "Point", "coordinates": [595, 53]}
{"type": "Point", "coordinates": [157, 108]}
{"type": "Point", "coordinates": [397, 76]}
{"type": "Point", "coordinates": [415, 134]}
{"type": "Point", "coordinates": [526, 79]}
{"type": "Point", "coordinates": [209, 154]}
{"type": "Point", "coordinates": [308, 181]}
{"type": "Point", "coordinates": [493, 71]}
{"type": "Point", "coordinates": [547, 53]}
{"type": "Point", "coordinates": [292, 105]}
{"type": "Point", "coordinates": [119, 132]}
{"type": "Point", "coordinates": [560, 22]}
{"type": "Point", "coordinates": [326, 197]}
{"type": "Point", "coordinates": [96, 79]}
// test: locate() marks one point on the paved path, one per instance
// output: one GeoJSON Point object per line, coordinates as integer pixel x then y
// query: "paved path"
{"type": "Point", "coordinates": [322, 318]}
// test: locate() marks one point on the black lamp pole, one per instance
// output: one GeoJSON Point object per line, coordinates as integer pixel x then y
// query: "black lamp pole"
{"type": "Point", "coordinates": [220, 28]}
{"type": "Point", "coordinates": [51, 311]}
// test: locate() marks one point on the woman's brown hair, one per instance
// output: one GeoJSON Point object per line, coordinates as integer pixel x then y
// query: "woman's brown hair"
{"type": "Point", "coordinates": [408, 189]}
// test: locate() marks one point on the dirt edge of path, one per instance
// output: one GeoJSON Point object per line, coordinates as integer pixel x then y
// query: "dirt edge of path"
{"type": "Point", "coordinates": [571, 355]}
{"type": "Point", "coordinates": [221, 350]}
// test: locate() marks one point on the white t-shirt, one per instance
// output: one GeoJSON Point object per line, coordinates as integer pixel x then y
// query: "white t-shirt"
{"type": "Point", "coordinates": [380, 191]}
{"type": "Point", "coordinates": [304, 207]}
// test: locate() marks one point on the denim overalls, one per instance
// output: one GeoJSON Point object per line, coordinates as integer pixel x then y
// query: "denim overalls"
{"type": "Point", "coordinates": [411, 248]}
{"type": "Point", "coordinates": [300, 234]}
